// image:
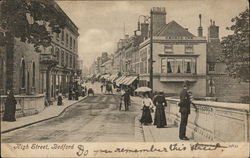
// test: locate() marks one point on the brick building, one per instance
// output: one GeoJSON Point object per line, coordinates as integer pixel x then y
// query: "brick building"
{"type": "Point", "coordinates": [220, 86]}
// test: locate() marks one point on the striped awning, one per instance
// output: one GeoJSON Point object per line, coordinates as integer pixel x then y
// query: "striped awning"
{"type": "Point", "coordinates": [130, 80]}
{"type": "Point", "coordinates": [119, 80]}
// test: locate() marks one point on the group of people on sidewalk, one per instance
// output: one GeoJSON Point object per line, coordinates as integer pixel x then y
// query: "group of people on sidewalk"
{"type": "Point", "coordinates": [159, 103]}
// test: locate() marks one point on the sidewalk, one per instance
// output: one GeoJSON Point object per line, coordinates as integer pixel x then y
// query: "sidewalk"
{"type": "Point", "coordinates": [49, 112]}
{"type": "Point", "coordinates": [153, 134]}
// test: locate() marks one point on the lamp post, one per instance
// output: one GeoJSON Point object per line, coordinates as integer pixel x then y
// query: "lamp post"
{"type": "Point", "coordinates": [146, 18]}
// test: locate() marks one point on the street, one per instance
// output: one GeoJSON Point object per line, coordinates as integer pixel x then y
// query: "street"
{"type": "Point", "coordinates": [94, 119]}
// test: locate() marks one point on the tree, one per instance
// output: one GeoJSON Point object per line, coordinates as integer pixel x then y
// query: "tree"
{"type": "Point", "coordinates": [28, 20]}
{"type": "Point", "coordinates": [235, 51]}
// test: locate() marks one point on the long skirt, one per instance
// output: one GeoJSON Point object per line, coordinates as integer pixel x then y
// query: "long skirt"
{"type": "Point", "coordinates": [9, 113]}
{"type": "Point", "coordinates": [160, 117]}
{"type": "Point", "coordinates": [146, 116]}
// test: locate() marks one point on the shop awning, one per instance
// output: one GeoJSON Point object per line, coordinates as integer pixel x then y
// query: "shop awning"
{"type": "Point", "coordinates": [125, 80]}
{"type": "Point", "coordinates": [119, 80]}
{"type": "Point", "coordinates": [130, 80]}
{"type": "Point", "coordinates": [113, 77]}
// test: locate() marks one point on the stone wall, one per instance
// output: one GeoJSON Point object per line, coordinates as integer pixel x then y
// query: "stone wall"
{"type": "Point", "coordinates": [214, 121]}
{"type": "Point", "coordinates": [26, 104]}
{"type": "Point", "coordinates": [228, 89]}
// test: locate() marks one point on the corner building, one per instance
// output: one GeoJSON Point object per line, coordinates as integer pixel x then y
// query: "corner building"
{"type": "Point", "coordinates": [178, 55]}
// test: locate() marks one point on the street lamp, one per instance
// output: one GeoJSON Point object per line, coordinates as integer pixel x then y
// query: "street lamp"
{"type": "Point", "coordinates": [146, 19]}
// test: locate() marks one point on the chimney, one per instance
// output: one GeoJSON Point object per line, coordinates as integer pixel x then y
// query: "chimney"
{"type": "Point", "coordinates": [213, 32]}
{"type": "Point", "coordinates": [158, 14]}
{"type": "Point", "coordinates": [200, 30]}
{"type": "Point", "coordinates": [144, 30]}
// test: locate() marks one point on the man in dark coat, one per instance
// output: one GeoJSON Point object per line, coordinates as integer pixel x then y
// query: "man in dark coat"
{"type": "Point", "coordinates": [184, 110]}
{"type": "Point", "coordinates": [126, 97]}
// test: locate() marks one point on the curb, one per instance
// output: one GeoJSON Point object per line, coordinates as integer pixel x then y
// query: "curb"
{"type": "Point", "coordinates": [15, 128]}
{"type": "Point", "coordinates": [139, 134]}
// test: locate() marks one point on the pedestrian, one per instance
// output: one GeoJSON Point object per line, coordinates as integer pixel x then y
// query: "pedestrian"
{"type": "Point", "coordinates": [147, 105]}
{"type": "Point", "coordinates": [126, 97]}
{"type": "Point", "coordinates": [59, 99]}
{"type": "Point", "coordinates": [10, 107]}
{"type": "Point", "coordinates": [160, 117]}
{"type": "Point", "coordinates": [101, 87]}
{"type": "Point", "coordinates": [185, 101]}
{"type": "Point", "coordinates": [70, 94]}
{"type": "Point", "coordinates": [76, 94]}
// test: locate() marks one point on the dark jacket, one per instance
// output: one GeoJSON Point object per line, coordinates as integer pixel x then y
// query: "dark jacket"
{"type": "Point", "coordinates": [126, 96]}
{"type": "Point", "coordinates": [184, 102]}
{"type": "Point", "coordinates": [160, 99]}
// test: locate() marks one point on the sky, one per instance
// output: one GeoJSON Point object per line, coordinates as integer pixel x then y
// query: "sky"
{"type": "Point", "coordinates": [102, 23]}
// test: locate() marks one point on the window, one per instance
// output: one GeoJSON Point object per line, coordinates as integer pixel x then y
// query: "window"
{"type": "Point", "coordinates": [67, 59]}
{"type": "Point", "coordinates": [62, 58]}
{"type": "Point", "coordinates": [23, 74]}
{"type": "Point", "coordinates": [70, 61]}
{"type": "Point", "coordinates": [189, 49]}
{"type": "Point", "coordinates": [52, 50]}
{"type": "Point", "coordinates": [163, 65]}
{"type": "Point", "coordinates": [168, 48]}
{"type": "Point", "coordinates": [74, 44]}
{"type": "Point", "coordinates": [67, 40]}
{"type": "Point", "coordinates": [62, 36]}
{"type": "Point", "coordinates": [70, 42]}
{"type": "Point", "coordinates": [211, 67]}
{"type": "Point", "coordinates": [170, 65]}
{"type": "Point", "coordinates": [187, 65]}
{"type": "Point", "coordinates": [33, 75]}
{"type": "Point", "coordinates": [178, 65]}
{"type": "Point", "coordinates": [57, 54]}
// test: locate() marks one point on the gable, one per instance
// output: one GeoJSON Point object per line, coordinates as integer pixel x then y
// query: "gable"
{"type": "Point", "coordinates": [173, 29]}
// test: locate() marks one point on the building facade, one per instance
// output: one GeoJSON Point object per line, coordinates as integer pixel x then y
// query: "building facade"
{"type": "Point", "coordinates": [178, 55]}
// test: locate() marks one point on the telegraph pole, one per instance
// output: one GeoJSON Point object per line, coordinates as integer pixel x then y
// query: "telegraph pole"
{"type": "Point", "coordinates": [151, 51]}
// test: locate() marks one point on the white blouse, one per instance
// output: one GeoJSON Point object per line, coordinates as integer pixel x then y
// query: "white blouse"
{"type": "Point", "coordinates": [147, 102]}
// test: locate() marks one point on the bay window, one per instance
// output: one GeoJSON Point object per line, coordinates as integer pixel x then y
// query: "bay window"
{"type": "Point", "coordinates": [177, 65]}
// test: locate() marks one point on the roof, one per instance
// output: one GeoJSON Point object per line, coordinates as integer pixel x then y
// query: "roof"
{"type": "Point", "coordinates": [173, 29]}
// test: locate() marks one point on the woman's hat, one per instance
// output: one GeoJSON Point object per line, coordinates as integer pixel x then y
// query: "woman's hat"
{"type": "Point", "coordinates": [186, 83]}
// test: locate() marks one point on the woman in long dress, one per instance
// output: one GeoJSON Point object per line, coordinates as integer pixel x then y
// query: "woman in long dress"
{"type": "Point", "coordinates": [160, 117]}
{"type": "Point", "coordinates": [147, 104]}
{"type": "Point", "coordinates": [10, 107]}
